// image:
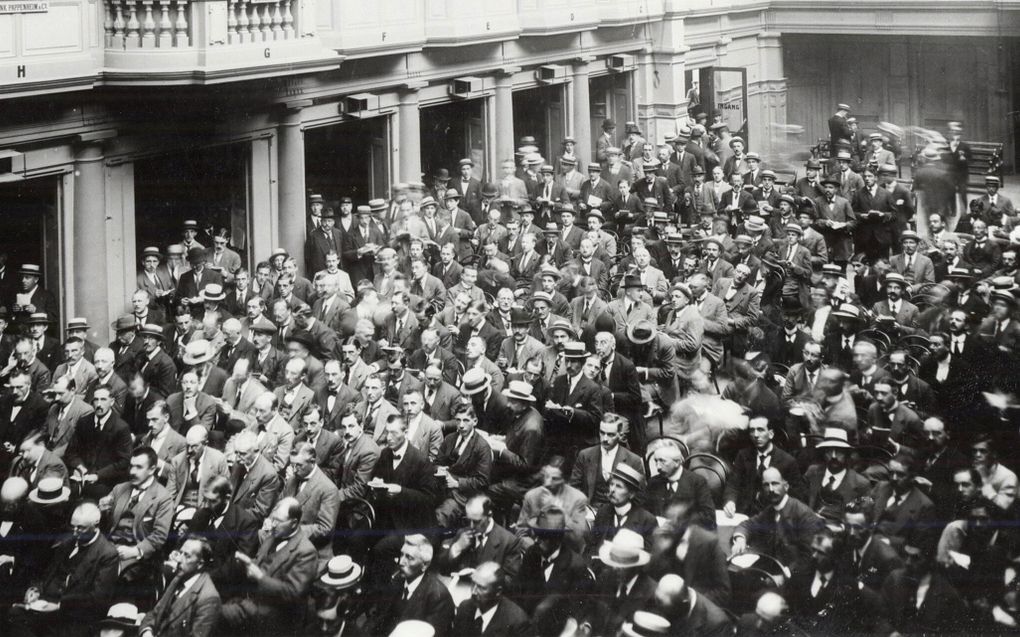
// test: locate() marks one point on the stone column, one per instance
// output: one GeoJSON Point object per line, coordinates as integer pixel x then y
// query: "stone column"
{"type": "Point", "coordinates": [291, 164]}
{"type": "Point", "coordinates": [659, 82]}
{"type": "Point", "coordinates": [89, 240]}
{"type": "Point", "coordinates": [409, 136]}
{"type": "Point", "coordinates": [766, 98]}
{"type": "Point", "coordinates": [581, 112]}
{"type": "Point", "coordinates": [503, 119]}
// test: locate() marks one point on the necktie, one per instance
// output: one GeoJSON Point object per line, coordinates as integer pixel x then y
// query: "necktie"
{"type": "Point", "coordinates": [957, 346]}
{"type": "Point", "coordinates": [194, 472]}
{"type": "Point", "coordinates": [830, 485]}
{"type": "Point", "coordinates": [405, 594]}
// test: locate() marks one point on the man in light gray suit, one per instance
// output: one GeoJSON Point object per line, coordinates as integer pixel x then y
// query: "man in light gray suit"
{"type": "Point", "coordinates": [318, 496]}
{"type": "Point", "coordinates": [191, 470]}
{"type": "Point", "coordinates": [713, 312]}
{"type": "Point", "coordinates": [65, 411]}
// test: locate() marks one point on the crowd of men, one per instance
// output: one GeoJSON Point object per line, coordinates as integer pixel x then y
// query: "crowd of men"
{"type": "Point", "coordinates": [469, 412]}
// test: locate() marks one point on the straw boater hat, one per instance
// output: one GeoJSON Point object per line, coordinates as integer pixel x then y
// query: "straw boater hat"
{"type": "Point", "coordinates": [413, 628]}
{"type": "Point", "coordinates": [341, 573]}
{"type": "Point", "coordinates": [212, 292]}
{"type": "Point", "coordinates": [626, 550]}
{"type": "Point", "coordinates": [646, 624]}
{"type": "Point", "coordinates": [124, 616]}
{"type": "Point", "coordinates": [518, 390]}
{"type": "Point", "coordinates": [475, 381]}
{"type": "Point", "coordinates": [50, 491]}
{"type": "Point", "coordinates": [575, 351]}
{"type": "Point", "coordinates": [197, 352]}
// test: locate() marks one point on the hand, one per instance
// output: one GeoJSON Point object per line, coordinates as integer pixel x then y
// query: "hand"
{"type": "Point", "coordinates": [393, 489]}
{"type": "Point", "coordinates": [90, 477]}
{"type": "Point", "coordinates": [497, 446]}
{"type": "Point", "coordinates": [30, 308]}
{"type": "Point", "coordinates": [105, 504]}
{"type": "Point", "coordinates": [739, 545]}
{"type": "Point", "coordinates": [254, 572]}
{"type": "Point", "coordinates": [9, 447]}
{"type": "Point", "coordinates": [552, 405]}
{"type": "Point", "coordinates": [127, 552]}
{"type": "Point", "coordinates": [463, 541]}
{"type": "Point", "coordinates": [451, 482]}
{"type": "Point", "coordinates": [242, 558]}
{"type": "Point", "coordinates": [31, 595]}
{"type": "Point", "coordinates": [730, 508]}
{"type": "Point", "coordinates": [641, 370]}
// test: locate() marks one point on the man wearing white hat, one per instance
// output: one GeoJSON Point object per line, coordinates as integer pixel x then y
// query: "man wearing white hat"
{"type": "Point", "coordinates": [624, 582]}
{"type": "Point", "coordinates": [832, 483]}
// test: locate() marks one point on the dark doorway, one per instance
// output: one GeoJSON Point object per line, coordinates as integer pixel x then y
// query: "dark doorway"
{"type": "Point", "coordinates": [209, 185]}
{"type": "Point", "coordinates": [29, 214]}
{"type": "Point", "coordinates": [348, 160]}
{"type": "Point", "coordinates": [610, 99]}
{"type": "Point", "coordinates": [539, 112]}
{"type": "Point", "coordinates": [450, 132]}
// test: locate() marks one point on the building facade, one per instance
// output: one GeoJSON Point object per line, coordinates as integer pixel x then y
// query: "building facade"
{"type": "Point", "coordinates": [122, 118]}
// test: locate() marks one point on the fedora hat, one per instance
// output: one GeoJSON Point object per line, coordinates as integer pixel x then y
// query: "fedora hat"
{"type": "Point", "coordinates": [551, 228]}
{"type": "Point", "coordinates": [37, 318]}
{"type": "Point", "coordinates": [196, 255]}
{"type": "Point", "coordinates": [264, 326]}
{"type": "Point", "coordinates": [641, 332]}
{"type": "Point", "coordinates": [768, 174]}
{"type": "Point", "coordinates": [561, 325]}
{"type": "Point", "coordinates": [631, 127]}
{"type": "Point", "coordinates": [834, 438]}
{"type": "Point", "coordinates": [735, 139]}
{"type": "Point", "coordinates": [77, 323]}
{"type": "Point", "coordinates": [301, 337]}
{"type": "Point", "coordinates": [122, 615]}
{"type": "Point", "coordinates": [752, 156]}
{"type": "Point", "coordinates": [626, 550]}
{"type": "Point", "coordinates": [50, 491]}
{"type": "Point", "coordinates": [212, 292]}
{"type": "Point", "coordinates": [475, 381]}
{"type": "Point", "coordinates": [594, 212]}
{"type": "Point", "coordinates": [794, 228]}
{"type": "Point", "coordinates": [575, 350]}
{"type": "Point", "coordinates": [632, 281]}
{"type": "Point", "coordinates": [341, 572]}
{"type": "Point", "coordinates": [813, 164]}
{"type": "Point", "coordinates": [743, 238]}
{"type": "Point", "coordinates": [830, 180]}
{"type": "Point", "coordinates": [428, 200]}
{"type": "Point", "coordinates": [126, 322]}
{"type": "Point", "coordinates": [542, 296]}
{"type": "Point", "coordinates": [549, 270]}
{"type": "Point", "coordinates": [909, 234]}
{"type": "Point", "coordinates": [198, 351]}
{"type": "Point", "coordinates": [646, 624]}
{"type": "Point", "coordinates": [520, 317]}
{"type": "Point", "coordinates": [518, 390]}
{"type": "Point", "coordinates": [151, 330]}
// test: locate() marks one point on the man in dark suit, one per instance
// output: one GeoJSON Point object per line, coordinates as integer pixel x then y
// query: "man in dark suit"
{"type": "Point", "coordinates": [78, 583]}
{"type": "Point", "coordinates": [154, 364]}
{"type": "Point", "coordinates": [488, 612]}
{"type": "Point", "coordinates": [831, 485]}
{"type": "Point", "coordinates": [408, 491]}
{"type": "Point", "coordinates": [194, 280]}
{"type": "Point", "coordinates": [31, 298]}
{"type": "Point", "coordinates": [674, 484]}
{"type": "Point", "coordinates": [21, 409]}
{"type": "Point", "coordinates": [482, 540]}
{"type": "Point", "coordinates": [235, 346]}
{"type": "Point", "coordinates": [823, 596]}
{"type": "Point", "coordinates": [465, 464]}
{"type": "Point", "coordinates": [321, 241]}
{"type": "Point", "coordinates": [254, 482]}
{"type": "Point", "coordinates": [516, 459]}
{"type": "Point", "coordinates": [360, 246]}
{"type": "Point", "coordinates": [229, 530]}
{"type": "Point", "coordinates": [624, 583]}
{"type": "Point", "coordinates": [743, 488]}
{"type": "Point", "coordinates": [877, 222]}
{"type": "Point", "coordinates": [784, 529]}
{"type": "Point", "coordinates": [594, 465]}
{"type": "Point", "coordinates": [280, 577]}
{"type": "Point", "coordinates": [190, 605]}
{"type": "Point", "coordinates": [909, 607]}
{"type": "Point", "coordinates": [551, 566]}
{"type": "Point", "coordinates": [621, 511]}
{"type": "Point", "coordinates": [573, 407]}
{"type": "Point", "coordinates": [901, 508]}
{"type": "Point", "coordinates": [689, 611]}
{"type": "Point", "coordinates": [470, 190]}
{"type": "Point", "coordinates": [416, 593]}
{"type": "Point", "coordinates": [840, 132]}
{"type": "Point", "coordinates": [100, 448]}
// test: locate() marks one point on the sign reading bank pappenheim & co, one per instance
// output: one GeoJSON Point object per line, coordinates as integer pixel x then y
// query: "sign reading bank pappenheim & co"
{"type": "Point", "coordinates": [24, 6]}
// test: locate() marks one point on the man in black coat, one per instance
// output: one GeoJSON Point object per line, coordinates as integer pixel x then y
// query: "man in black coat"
{"type": "Point", "coordinates": [620, 376]}
{"type": "Point", "coordinates": [488, 612]}
{"type": "Point", "coordinates": [407, 488]}
{"type": "Point", "coordinates": [621, 512]}
{"type": "Point", "coordinates": [100, 448]}
{"type": "Point", "coordinates": [465, 461]}
{"type": "Point", "coordinates": [416, 594]}
{"type": "Point", "coordinates": [154, 364]}
{"type": "Point", "coordinates": [78, 584]}
{"type": "Point", "coordinates": [840, 132]}
{"type": "Point", "coordinates": [674, 484]}
{"type": "Point", "coordinates": [31, 412]}
{"type": "Point", "coordinates": [229, 529]}
{"type": "Point", "coordinates": [194, 280]}
{"type": "Point", "coordinates": [573, 407]}
{"type": "Point", "coordinates": [743, 488]}
{"type": "Point", "coordinates": [550, 566]}
{"type": "Point", "coordinates": [824, 596]}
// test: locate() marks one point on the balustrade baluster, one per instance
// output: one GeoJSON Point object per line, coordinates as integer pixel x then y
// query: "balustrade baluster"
{"type": "Point", "coordinates": [107, 24]}
{"type": "Point", "coordinates": [148, 26]}
{"type": "Point", "coordinates": [181, 37]}
{"type": "Point", "coordinates": [277, 21]}
{"type": "Point", "coordinates": [288, 20]}
{"type": "Point", "coordinates": [166, 33]}
{"type": "Point", "coordinates": [266, 30]}
{"type": "Point", "coordinates": [243, 23]}
{"type": "Point", "coordinates": [232, 36]}
{"type": "Point", "coordinates": [132, 36]}
{"type": "Point", "coordinates": [118, 24]}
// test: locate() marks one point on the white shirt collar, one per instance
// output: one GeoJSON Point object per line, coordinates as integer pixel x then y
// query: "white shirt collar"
{"type": "Point", "coordinates": [487, 615]}
{"type": "Point", "coordinates": [413, 585]}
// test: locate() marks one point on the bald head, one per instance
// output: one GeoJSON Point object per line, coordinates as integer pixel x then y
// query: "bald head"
{"type": "Point", "coordinates": [197, 435]}
{"type": "Point", "coordinates": [13, 490]}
